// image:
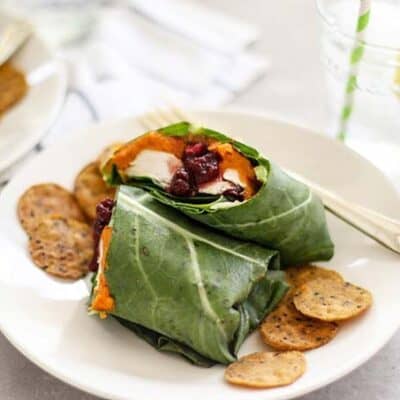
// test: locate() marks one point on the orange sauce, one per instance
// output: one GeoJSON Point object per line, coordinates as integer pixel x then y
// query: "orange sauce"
{"type": "Point", "coordinates": [232, 159]}
{"type": "Point", "coordinates": [103, 301]}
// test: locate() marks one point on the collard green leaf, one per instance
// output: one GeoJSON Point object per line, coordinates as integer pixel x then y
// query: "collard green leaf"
{"type": "Point", "coordinates": [186, 282]}
{"type": "Point", "coordinates": [284, 215]}
{"type": "Point", "coordinates": [163, 343]}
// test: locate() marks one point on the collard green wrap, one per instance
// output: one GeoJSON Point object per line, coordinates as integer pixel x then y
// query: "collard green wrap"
{"type": "Point", "coordinates": [183, 287]}
{"type": "Point", "coordinates": [284, 214]}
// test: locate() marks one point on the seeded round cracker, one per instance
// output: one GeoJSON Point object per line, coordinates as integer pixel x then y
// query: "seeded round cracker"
{"type": "Point", "coordinates": [90, 189]}
{"type": "Point", "coordinates": [329, 300]}
{"type": "Point", "coordinates": [62, 247]}
{"type": "Point", "coordinates": [44, 200]}
{"type": "Point", "coordinates": [266, 369]}
{"type": "Point", "coordinates": [286, 328]}
{"type": "Point", "coordinates": [297, 276]}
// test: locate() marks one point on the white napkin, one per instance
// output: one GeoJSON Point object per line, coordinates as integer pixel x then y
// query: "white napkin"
{"type": "Point", "coordinates": [206, 26]}
{"type": "Point", "coordinates": [173, 59]}
{"type": "Point", "coordinates": [103, 86]}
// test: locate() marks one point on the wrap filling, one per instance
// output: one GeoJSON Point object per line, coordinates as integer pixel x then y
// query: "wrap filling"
{"type": "Point", "coordinates": [187, 166]}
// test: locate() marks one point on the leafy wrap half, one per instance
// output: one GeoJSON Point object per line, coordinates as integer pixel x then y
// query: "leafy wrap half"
{"type": "Point", "coordinates": [180, 286]}
{"type": "Point", "coordinates": [283, 214]}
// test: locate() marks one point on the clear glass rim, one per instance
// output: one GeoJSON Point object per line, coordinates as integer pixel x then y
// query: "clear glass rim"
{"type": "Point", "coordinates": [352, 38]}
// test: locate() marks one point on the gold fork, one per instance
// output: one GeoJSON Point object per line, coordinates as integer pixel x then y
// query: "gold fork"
{"type": "Point", "coordinates": [382, 229]}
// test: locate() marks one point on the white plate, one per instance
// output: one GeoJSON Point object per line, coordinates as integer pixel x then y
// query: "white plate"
{"type": "Point", "coordinates": [46, 319]}
{"type": "Point", "coordinates": [22, 127]}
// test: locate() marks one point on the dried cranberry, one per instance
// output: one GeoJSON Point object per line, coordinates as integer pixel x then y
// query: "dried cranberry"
{"type": "Point", "coordinates": [200, 166]}
{"type": "Point", "coordinates": [195, 149]}
{"type": "Point", "coordinates": [181, 173]}
{"type": "Point", "coordinates": [234, 193]}
{"type": "Point", "coordinates": [104, 211]}
{"type": "Point", "coordinates": [204, 168]}
{"type": "Point", "coordinates": [180, 188]}
{"type": "Point", "coordinates": [103, 216]}
{"type": "Point", "coordinates": [181, 184]}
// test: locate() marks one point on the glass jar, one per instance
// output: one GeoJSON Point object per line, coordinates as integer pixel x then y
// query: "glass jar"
{"type": "Point", "coordinates": [374, 125]}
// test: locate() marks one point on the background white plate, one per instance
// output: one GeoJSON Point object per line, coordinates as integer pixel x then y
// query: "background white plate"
{"type": "Point", "coordinates": [22, 127]}
{"type": "Point", "coordinates": [46, 319]}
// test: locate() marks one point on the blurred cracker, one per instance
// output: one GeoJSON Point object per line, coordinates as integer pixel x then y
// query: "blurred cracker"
{"type": "Point", "coordinates": [62, 247]}
{"type": "Point", "coordinates": [44, 200]}
{"type": "Point", "coordinates": [286, 328]}
{"type": "Point", "coordinates": [266, 369]}
{"type": "Point", "coordinates": [329, 300]}
{"type": "Point", "coordinates": [90, 189]}
{"type": "Point", "coordinates": [297, 276]}
{"type": "Point", "coordinates": [13, 86]}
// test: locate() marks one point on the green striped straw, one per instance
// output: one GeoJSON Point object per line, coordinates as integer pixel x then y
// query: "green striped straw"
{"type": "Point", "coordinates": [355, 58]}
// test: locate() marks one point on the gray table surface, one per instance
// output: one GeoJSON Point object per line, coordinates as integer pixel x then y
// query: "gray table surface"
{"type": "Point", "coordinates": [293, 89]}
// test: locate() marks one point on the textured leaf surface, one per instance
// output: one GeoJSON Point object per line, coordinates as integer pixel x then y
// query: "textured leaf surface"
{"type": "Point", "coordinates": [163, 343]}
{"type": "Point", "coordinates": [187, 283]}
{"type": "Point", "coordinates": [283, 215]}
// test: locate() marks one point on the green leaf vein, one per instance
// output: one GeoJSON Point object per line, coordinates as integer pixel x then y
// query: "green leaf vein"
{"type": "Point", "coordinates": [123, 198]}
{"type": "Point", "coordinates": [267, 220]}
{"type": "Point", "coordinates": [201, 290]}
